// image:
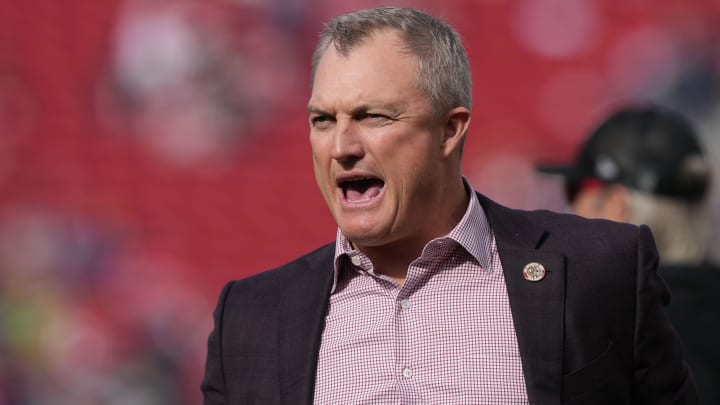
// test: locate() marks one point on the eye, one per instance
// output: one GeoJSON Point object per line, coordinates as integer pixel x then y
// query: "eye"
{"type": "Point", "coordinates": [321, 121]}
{"type": "Point", "coordinates": [374, 118]}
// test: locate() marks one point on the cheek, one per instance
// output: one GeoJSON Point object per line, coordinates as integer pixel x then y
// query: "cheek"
{"type": "Point", "coordinates": [318, 144]}
{"type": "Point", "coordinates": [321, 178]}
{"type": "Point", "coordinates": [322, 175]}
{"type": "Point", "coordinates": [319, 159]}
{"type": "Point", "coordinates": [417, 168]}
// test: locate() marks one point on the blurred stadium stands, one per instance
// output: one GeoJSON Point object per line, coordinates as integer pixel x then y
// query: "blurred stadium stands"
{"type": "Point", "coordinates": [150, 150]}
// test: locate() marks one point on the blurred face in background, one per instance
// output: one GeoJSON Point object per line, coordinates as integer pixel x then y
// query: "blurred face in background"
{"type": "Point", "coordinates": [381, 156]}
{"type": "Point", "coordinates": [591, 198]}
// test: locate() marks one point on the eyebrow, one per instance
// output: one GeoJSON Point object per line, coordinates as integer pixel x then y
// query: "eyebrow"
{"type": "Point", "coordinates": [311, 109]}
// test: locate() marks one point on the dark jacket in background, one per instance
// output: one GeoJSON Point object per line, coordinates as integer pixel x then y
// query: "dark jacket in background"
{"type": "Point", "coordinates": [695, 313]}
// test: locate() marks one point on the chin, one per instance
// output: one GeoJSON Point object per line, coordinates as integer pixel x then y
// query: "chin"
{"type": "Point", "coordinates": [362, 236]}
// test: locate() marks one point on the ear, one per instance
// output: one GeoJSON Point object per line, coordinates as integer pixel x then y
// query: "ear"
{"type": "Point", "coordinates": [455, 128]}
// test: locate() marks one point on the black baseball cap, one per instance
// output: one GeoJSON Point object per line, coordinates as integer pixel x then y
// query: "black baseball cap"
{"type": "Point", "coordinates": [647, 148]}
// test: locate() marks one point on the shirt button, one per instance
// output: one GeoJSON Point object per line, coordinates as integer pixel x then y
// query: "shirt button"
{"type": "Point", "coordinates": [407, 372]}
{"type": "Point", "coordinates": [405, 303]}
{"type": "Point", "coordinates": [356, 260]}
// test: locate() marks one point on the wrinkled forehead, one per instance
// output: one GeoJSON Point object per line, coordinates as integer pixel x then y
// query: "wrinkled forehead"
{"type": "Point", "coordinates": [376, 73]}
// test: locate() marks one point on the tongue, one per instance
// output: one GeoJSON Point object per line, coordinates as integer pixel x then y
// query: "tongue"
{"type": "Point", "coordinates": [363, 190]}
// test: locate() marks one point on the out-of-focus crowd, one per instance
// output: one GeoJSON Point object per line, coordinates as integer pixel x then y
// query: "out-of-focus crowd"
{"type": "Point", "coordinates": [151, 150]}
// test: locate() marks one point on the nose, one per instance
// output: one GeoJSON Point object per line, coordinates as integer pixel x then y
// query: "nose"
{"type": "Point", "coordinates": [347, 145]}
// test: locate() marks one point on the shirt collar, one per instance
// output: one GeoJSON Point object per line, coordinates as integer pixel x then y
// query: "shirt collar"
{"type": "Point", "coordinates": [473, 233]}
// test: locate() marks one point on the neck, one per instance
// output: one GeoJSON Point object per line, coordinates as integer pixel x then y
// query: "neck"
{"type": "Point", "coordinates": [393, 259]}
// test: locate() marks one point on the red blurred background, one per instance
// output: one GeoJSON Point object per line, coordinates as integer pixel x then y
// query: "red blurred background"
{"type": "Point", "coordinates": [152, 150]}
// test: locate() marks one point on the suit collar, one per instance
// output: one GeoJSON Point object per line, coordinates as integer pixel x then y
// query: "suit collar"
{"type": "Point", "coordinates": [537, 307]}
{"type": "Point", "coordinates": [516, 229]}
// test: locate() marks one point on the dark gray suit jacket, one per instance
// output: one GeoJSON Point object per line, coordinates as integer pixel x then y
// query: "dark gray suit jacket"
{"type": "Point", "coordinates": [593, 331]}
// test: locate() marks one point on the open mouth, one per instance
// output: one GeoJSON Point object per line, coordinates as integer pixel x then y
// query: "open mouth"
{"type": "Point", "coordinates": [361, 190]}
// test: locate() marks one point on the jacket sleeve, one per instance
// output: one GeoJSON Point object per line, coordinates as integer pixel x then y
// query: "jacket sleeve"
{"type": "Point", "coordinates": [213, 384]}
{"type": "Point", "coordinates": [660, 373]}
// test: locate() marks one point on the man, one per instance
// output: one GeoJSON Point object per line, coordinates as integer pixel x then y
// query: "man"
{"type": "Point", "coordinates": [431, 292]}
{"type": "Point", "coordinates": [644, 165]}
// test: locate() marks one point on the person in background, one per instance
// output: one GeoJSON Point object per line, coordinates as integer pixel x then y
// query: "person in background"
{"type": "Point", "coordinates": [431, 292]}
{"type": "Point", "coordinates": [644, 165]}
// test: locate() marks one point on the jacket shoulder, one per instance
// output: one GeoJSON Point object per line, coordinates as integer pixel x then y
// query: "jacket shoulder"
{"type": "Point", "coordinates": [556, 226]}
{"type": "Point", "coordinates": [314, 263]}
{"type": "Point", "coordinates": [566, 221]}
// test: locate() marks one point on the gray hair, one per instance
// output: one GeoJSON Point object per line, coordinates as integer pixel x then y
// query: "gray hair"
{"type": "Point", "coordinates": [680, 227]}
{"type": "Point", "coordinates": [443, 68]}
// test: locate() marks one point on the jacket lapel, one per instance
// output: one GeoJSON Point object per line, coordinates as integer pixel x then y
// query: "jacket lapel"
{"type": "Point", "coordinates": [302, 317]}
{"type": "Point", "coordinates": [537, 307]}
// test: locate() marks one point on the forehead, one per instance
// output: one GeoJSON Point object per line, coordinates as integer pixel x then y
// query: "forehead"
{"type": "Point", "coordinates": [380, 65]}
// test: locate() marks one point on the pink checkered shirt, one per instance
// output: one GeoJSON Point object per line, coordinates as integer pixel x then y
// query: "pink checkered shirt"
{"type": "Point", "coordinates": [444, 337]}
